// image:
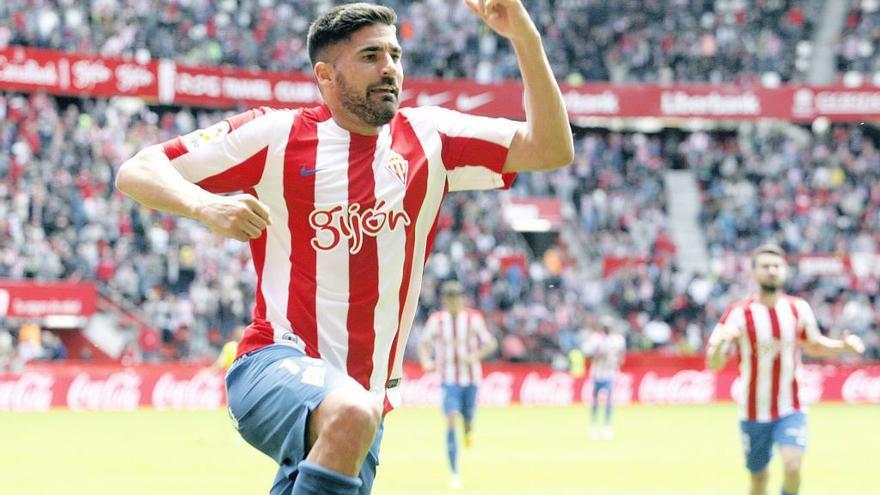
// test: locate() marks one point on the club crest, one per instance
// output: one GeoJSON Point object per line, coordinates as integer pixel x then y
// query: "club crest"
{"type": "Point", "coordinates": [398, 166]}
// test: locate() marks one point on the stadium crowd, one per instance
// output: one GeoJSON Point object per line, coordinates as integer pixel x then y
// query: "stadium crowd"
{"type": "Point", "coordinates": [63, 218]}
{"type": "Point", "coordinates": [857, 47]}
{"type": "Point", "coordinates": [813, 194]}
{"type": "Point", "coordinates": [737, 41]}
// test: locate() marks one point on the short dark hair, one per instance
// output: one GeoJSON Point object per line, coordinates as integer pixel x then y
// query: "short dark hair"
{"type": "Point", "coordinates": [338, 24]}
{"type": "Point", "coordinates": [768, 248]}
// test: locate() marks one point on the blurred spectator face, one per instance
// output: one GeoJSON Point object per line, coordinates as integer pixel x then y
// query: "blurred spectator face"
{"type": "Point", "coordinates": [363, 75]}
{"type": "Point", "coordinates": [770, 271]}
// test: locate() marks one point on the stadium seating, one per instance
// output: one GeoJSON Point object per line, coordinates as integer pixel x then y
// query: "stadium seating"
{"type": "Point", "coordinates": [653, 41]}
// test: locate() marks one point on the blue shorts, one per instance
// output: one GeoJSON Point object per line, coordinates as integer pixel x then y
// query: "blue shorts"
{"type": "Point", "coordinates": [271, 392]}
{"type": "Point", "coordinates": [599, 385]}
{"type": "Point", "coordinates": [758, 438]}
{"type": "Point", "coordinates": [460, 398]}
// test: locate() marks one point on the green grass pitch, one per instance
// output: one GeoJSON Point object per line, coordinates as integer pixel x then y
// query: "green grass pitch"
{"type": "Point", "coordinates": [657, 450]}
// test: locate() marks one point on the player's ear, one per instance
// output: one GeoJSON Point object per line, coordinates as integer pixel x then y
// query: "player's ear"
{"type": "Point", "coordinates": [324, 74]}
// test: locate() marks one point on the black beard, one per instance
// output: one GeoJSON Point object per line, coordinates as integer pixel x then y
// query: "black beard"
{"type": "Point", "coordinates": [769, 289]}
{"type": "Point", "coordinates": [374, 114]}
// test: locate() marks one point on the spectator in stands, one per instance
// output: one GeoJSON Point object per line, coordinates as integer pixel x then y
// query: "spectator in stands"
{"type": "Point", "coordinates": [817, 193]}
{"type": "Point", "coordinates": [678, 40]}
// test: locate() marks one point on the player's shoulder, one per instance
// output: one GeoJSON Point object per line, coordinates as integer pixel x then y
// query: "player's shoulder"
{"type": "Point", "coordinates": [797, 302]}
{"type": "Point", "coordinates": [736, 307]}
{"type": "Point", "coordinates": [742, 303]}
{"type": "Point", "coordinates": [474, 313]}
{"type": "Point", "coordinates": [265, 116]}
{"type": "Point", "coordinates": [428, 116]}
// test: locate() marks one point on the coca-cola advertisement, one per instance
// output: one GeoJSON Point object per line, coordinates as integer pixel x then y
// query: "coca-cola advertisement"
{"type": "Point", "coordinates": [23, 299]}
{"type": "Point", "coordinates": [111, 388]}
{"type": "Point", "coordinates": [165, 81]}
{"type": "Point", "coordinates": [646, 384]}
{"type": "Point", "coordinates": [84, 387]}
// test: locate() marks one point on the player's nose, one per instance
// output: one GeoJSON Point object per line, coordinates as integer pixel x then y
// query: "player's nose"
{"type": "Point", "coordinates": [389, 66]}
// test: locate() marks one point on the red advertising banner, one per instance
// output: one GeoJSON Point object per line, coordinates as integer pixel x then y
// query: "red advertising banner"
{"type": "Point", "coordinates": [117, 388]}
{"type": "Point", "coordinates": [20, 299]}
{"type": "Point", "coordinates": [540, 386]}
{"type": "Point", "coordinates": [857, 265]}
{"type": "Point", "coordinates": [29, 69]}
{"type": "Point", "coordinates": [91, 388]}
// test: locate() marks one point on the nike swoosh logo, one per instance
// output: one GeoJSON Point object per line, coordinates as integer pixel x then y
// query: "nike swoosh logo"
{"type": "Point", "coordinates": [467, 103]}
{"type": "Point", "coordinates": [429, 100]}
{"type": "Point", "coordinates": [305, 172]}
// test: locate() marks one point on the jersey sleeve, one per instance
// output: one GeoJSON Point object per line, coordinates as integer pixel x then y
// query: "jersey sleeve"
{"type": "Point", "coordinates": [733, 316]}
{"type": "Point", "coordinates": [478, 323]}
{"type": "Point", "coordinates": [429, 331]}
{"type": "Point", "coordinates": [227, 156]}
{"type": "Point", "coordinates": [590, 345]}
{"type": "Point", "coordinates": [809, 327]}
{"type": "Point", "coordinates": [474, 149]}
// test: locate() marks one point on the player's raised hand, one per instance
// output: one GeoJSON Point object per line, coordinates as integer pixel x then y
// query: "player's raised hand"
{"type": "Point", "coordinates": [240, 217]}
{"type": "Point", "coordinates": [508, 18]}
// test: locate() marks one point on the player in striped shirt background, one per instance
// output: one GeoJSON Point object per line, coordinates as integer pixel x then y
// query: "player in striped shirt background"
{"type": "Point", "coordinates": [454, 342]}
{"type": "Point", "coordinates": [339, 204]}
{"type": "Point", "coordinates": [770, 330]}
{"type": "Point", "coordinates": [606, 349]}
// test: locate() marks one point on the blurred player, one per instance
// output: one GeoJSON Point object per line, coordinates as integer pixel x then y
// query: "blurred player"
{"type": "Point", "coordinates": [454, 342]}
{"type": "Point", "coordinates": [770, 328]}
{"type": "Point", "coordinates": [228, 353]}
{"type": "Point", "coordinates": [606, 349]}
{"type": "Point", "coordinates": [339, 206]}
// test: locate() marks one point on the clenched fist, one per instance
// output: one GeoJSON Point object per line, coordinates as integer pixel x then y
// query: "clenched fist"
{"type": "Point", "coordinates": [242, 217]}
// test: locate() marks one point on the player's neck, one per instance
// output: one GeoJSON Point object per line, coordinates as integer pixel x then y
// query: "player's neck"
{"type": "Point", "coordinates": [769, 298]}
{"type": "Point", "coordinates": [351, 122]}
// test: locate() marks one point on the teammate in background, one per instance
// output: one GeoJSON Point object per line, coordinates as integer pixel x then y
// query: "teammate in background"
{"type": "Point", "coordinates": [340, 204]}
{"type": "Point", "coordinates": [455, 341]}
{"type": "Point", "coordinates": [228, 352]}
{"type": "Point", "coordinates": [606, 349]}
{"type": "Point", "coordinates": [770, 329]}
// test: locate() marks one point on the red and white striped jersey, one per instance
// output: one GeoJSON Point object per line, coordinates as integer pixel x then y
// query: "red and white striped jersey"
{"type": "Point", "coordinates": [606, 354]}
{"type": "Point", "coordinates": [353, 219]}
{"type": "Point", "coordinates": [458, 341]}
{"type": "Point", "coordinates": [770, 355]}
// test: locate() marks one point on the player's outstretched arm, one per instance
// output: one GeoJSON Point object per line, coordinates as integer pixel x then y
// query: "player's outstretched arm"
{"type": "Point", "coordinates": [545, 142]}
{"type": "Point", "coordinates": [425, 356]}
{"type": "Point", "coordinates": [826, 347]}
{"type": "Point", "coordinates": [487, 348]}
{"type": "Point", "coordinates": [719, 343]}
{"type": "Point", "coordinates": [151, 180]}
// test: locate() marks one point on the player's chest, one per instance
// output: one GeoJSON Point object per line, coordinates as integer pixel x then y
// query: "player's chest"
{"type": "Point", "coordinates": [372, 173]}
{"type": "Point", "coordinates": [777, 337]}
{"type": "Point", "coordinates": [456, 330]}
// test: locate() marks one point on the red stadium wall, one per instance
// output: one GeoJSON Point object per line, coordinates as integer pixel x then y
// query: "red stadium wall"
{"type": "Point", "coordinates": [86, 387]}
{"type": "Point", "coordinates": [165, 81]}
